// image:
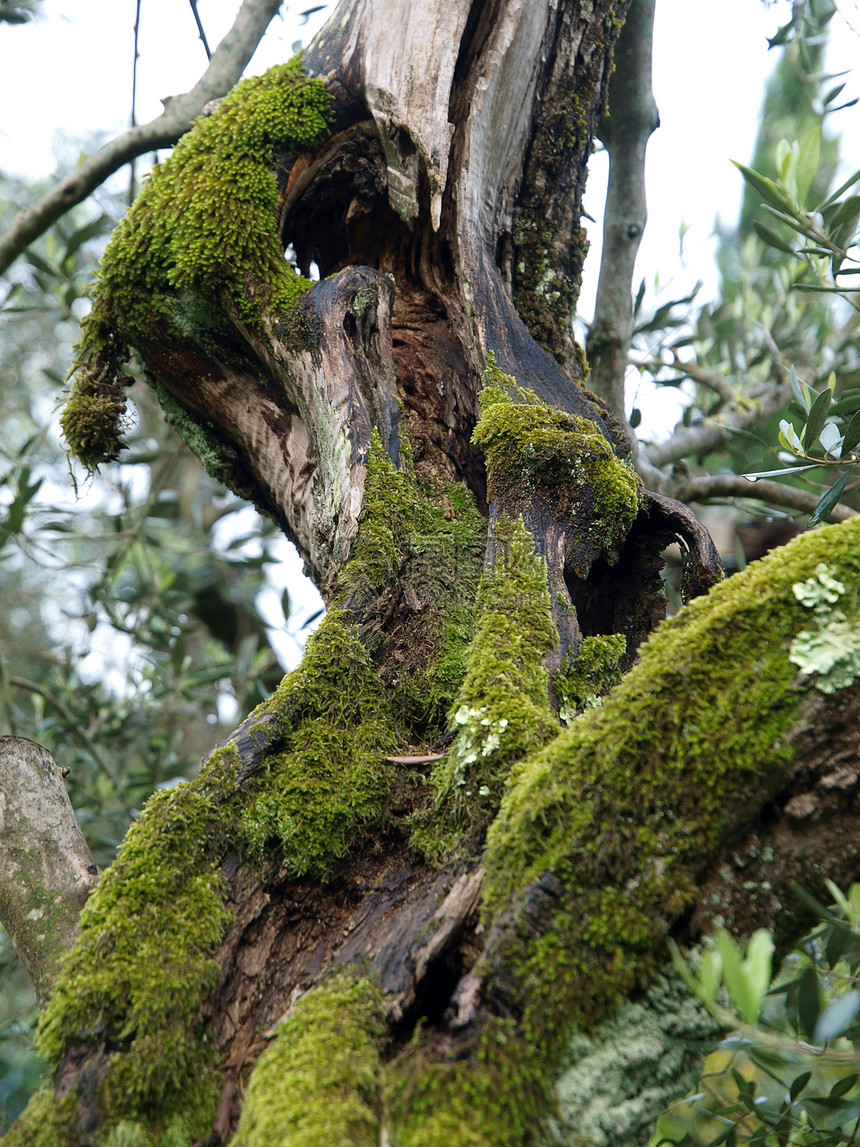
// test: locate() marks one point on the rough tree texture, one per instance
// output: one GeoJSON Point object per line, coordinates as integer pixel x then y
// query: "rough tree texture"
{"type": "Point", "coordinates": [381, 909]}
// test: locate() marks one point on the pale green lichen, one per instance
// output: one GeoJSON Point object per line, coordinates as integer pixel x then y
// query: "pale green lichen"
{"type": "Point", "coordinates": [199, 240]}
{"type": "Point", "coordinates": [318, 1082]}
{"type": "Point", "coordinates": [631, 1065]}
{"type": "Point", "coordinates": [829, 652]}
{"type": "Point", "coordinates": [536, 451]}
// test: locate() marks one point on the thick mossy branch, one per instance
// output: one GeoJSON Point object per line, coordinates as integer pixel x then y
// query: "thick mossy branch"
{"type": "Point", "coordinates": [601, 834]}
{"type": "Point", "coordinates": [497, 1097]}
{"type": "Point", "coordinates": [319, 1080]}
{"type": "Point", "coordinates": [144, 962]}
{"type": "Point", "coordinates": [200, 237]}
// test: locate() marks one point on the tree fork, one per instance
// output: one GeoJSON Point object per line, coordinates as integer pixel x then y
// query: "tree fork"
{"type": "Point", "coordinates": [311, 879]}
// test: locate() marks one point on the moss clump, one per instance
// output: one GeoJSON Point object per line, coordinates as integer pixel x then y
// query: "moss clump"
{"type": "Point", "coordinates": [319, 1079]}
{"type": "Point", "coordinates": [144, 961]}
{"type": "Point", "coordinates": [497, 1097]}
{"type": "Point", "coordinates": [93, 419]}
{"type": "Point", "coordinates": [328, 780]}
{"type": "Point", "coordinates": [200, 238]}
{"type": "Point", "coordinates": [502, 710]}
{"type": "Point", "coordinates": [625, 806]}
{"type": "Point", "coordinates": [593, 670]}
{"type": "Point", "coordinates": [423, 547]}
{"type": "Point", "coordinates": [535, 451]}
{"type": "Point", "coordinates": [46, 1122]}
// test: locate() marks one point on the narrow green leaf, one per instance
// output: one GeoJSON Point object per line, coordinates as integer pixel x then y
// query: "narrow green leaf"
{"type": "Point", "coordinates": [852, 435]}
{"type": "Point", "coordinates": [772, 239]}
{"type": "Point", "coordinates": [736, 982]}
{"type": "Point", "coordinates": [844, 1085]}
{"type": "Point", "coordinates": [798, 1084]}
{"type": "Point", "coordinates": [799, 389]}
{"type": "Point", "coordinates": [817, 418]}
{"type": "Point", "coordinates": [808, 1001]}
{"type": "Point", "coordinates": [807, 162]}
{"type": "Point", "coordinates": [829, 500]}
{"type": "Point", "coordinates": [770, 191]}
{"type": "Point", "coordinates": [837, 1016]}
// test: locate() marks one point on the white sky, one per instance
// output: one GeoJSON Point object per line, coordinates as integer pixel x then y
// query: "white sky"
{"type": "Point", "coordinates": [67, 76]}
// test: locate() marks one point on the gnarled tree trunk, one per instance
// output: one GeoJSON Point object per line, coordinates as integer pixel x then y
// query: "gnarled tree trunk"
{"type": "Point", "coordinates": [379, 911]}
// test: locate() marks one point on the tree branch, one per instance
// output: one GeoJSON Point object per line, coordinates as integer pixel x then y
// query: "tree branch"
{"type": "Point", "coordinates": [712, 379]}
{"type": "Point", "coordinates": [709, 436]}
{"type": "Point", "coordinates": [697, 489]}
{"type": "Point", "coordinates": [48, 871]}
{"type": "Point", "coordinates": [228, 62]}
{"type": "Point", "coordinates": [625, 131]}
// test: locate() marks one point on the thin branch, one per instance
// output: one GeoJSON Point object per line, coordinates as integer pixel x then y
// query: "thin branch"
{"type": "Point", "coordinates": [625, 131]}
{"type": "Point", "coordinates": [712, 379]}
{"type": "Point", "coordinates": [709, 435]}
{"type": "Point", "coordinates": [700, 489]}
{"type": "Point", "coordinates": [199, 24]}
{"type": "Point", "coordinates": [73, 722]}
{"type": "Point", "coordinates": [132, 190]}
{"type": "Point", "coordinates": [226, 66]}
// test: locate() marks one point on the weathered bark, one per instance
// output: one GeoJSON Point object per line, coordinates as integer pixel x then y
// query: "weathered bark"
{"type": "Point", "coordinates": [314, 850]}
{"type": "Point", "coordinates": [48, 871]}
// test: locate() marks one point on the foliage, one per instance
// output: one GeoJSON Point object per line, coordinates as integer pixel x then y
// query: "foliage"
{"type": "Point", "coordinates": [788, 1073]}
{"type": "Point", "coordinates": [772, 366]}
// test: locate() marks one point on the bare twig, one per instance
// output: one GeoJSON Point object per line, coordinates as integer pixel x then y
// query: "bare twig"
{"type": "Point", "coordinates": [700, 489]}
{"type": "Point", "coordinates": [132, 188]}
{"type": "Point", "coordinates": [199, 24]}
{"type": "Point", "coordinates": [708, 435]}
{"type": "Point", "coordinates": [226, 66]}
{"type": "Point", "coordinates": [712, 379]}
{"type": "Point", "coordinates": [625, 132]}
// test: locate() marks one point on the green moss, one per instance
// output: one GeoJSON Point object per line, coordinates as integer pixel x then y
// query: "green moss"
{"type": "Point", "coordinates": [144, 961]}
{"type": "Point", "coordinates": [496, 1097]}
{"type": "Point", "coordinates": [592, 671]}
{"type": "Point", "coordinates": [328, 780]}
{"type": "Point", "coordinates": [625, 806]}
{"type": "Point", "coordinates": [46, 1122]}
{"type": "Point", "coordinates": [201, 238]}
{"type": "Point", "coordinates": [144, 964]}
{"type": "Point", "coordinates": [318, 1081]}
{"type": "Point", "coordinates": [93, 419]}
{"type": "Point", "coordinates": [535, 451]}
{"type": "Point", "coordinates": [424, 545]}
{"type": "Point", "coordinates": [502, 710]}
